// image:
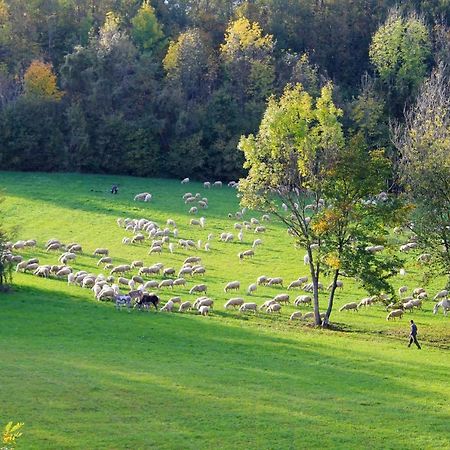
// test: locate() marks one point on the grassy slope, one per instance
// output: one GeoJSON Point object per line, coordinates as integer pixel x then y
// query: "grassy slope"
{"type": "Point", "coordinates": [81, 375]}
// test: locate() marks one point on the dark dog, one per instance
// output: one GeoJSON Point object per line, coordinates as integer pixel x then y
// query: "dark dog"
{"type": "Point", "coordinates": [146, 300]}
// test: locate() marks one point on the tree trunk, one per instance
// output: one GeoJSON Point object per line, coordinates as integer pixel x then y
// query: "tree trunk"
{"type": "Point", "coordinates": [331, 299]}
{"type": "Point", "coordinates": [315, 282]}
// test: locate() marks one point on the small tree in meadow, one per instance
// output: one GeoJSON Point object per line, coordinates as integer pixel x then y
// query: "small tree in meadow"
{"type": "Point", "coordinates": [323, 189]}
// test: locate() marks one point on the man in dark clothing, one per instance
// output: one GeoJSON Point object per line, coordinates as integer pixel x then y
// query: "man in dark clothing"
{"type": "Point", "coordinates": [413, 335]}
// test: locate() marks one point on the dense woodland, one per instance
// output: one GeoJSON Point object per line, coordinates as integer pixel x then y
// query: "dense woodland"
{"type": "Point", "coordinates": [167, 88]}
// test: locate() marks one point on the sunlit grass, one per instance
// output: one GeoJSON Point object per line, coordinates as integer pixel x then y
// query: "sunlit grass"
{"type": "Point", "coordinates": [82, 375]}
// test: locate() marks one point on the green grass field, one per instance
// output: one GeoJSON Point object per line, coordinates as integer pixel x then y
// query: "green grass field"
{"type": "Point", "coordinates": [82, 375]}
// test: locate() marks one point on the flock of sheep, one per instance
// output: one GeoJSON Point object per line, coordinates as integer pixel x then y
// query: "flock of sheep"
{"type": "Point", "coordinates": [130, 284]}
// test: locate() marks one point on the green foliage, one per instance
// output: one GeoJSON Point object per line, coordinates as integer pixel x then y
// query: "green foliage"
{"type": "Point", "coordinates": [400, 51]}
{"type": "Point", "coordinates": [146, 31]}
{"type": "Point", "coordinates": [299, 154]}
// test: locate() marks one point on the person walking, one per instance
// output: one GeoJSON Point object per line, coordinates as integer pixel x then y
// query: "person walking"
{"type": "Point", "coordinates": [413, 335]}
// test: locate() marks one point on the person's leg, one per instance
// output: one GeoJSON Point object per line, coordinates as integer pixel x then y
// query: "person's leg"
{"type": "Point", "coordinates": [416, 342]}
{"type": "Point", "coordinates": [410, 341]}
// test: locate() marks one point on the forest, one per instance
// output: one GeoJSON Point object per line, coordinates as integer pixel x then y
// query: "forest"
{"type": "Point", "coordinates": [167, 88]}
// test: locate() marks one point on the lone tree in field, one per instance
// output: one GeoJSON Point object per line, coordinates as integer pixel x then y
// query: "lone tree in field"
{"type": "Point", "coordinates": [326, 191]}
{"type": "Point", "coordinates": [424, 145]}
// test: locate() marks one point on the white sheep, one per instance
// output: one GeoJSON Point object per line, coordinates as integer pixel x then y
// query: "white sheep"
{"type": "Point", "coordinates": [274, 307]}
{"type": "Point", "coordinates": [441, 294]}
{"type": "Point", "coordinates": [234, 302]}
{"type": "Point", "coordinates": [256, 242]}
{"type": "Point", "coordinates": [282, 298]}
{"type": "Point", "coordinates": [203, 310]}
{"type": "Point", "coordinates": [303, 300]}
{"type": "Point", "coordinates": [204, 302]}
{"type": "Point", "coordinates": [395, 313]}
{"type": "Point", "coordinates": [207, 247]}
{"type": "Point", "coordinates": [262, 280]}
{"type": "Point", "coordinates": [165, 283]}
{"type": "Point", "coordinates": [168, 307]}
{"type": "Point", "coordinates": [198, 288]}
{"type": "Point", "coordinates": [217, 184]}
{"type": "Point", "coordinates": [296, 315]}
{"type": "Point", "coordinates": [353, 306]}
{"type": "Point", "coordinates": [444, 304]}
{"type": "Point", "coordinates": [185, 180]}
{"type": "Point", "coordinates": [252, 288]}
{"type": "Point", "coordinates": [339, 284]}
{"type": "Point", "coordinates": [185, 306]}
{"type": "Point", "coordinates": [275, 281]}
{"type": "Point", "coordinates": [207, 185]}
{"type": "Point", "coordinates": [193, 210]}
{"type": "Point", "coordinates": [101, 251]}
{"type": "Point", "coordinates": [402, 290]}
{"type": "Point", "coordinates": [232, 285]}
{"type": "Point", "coordinates": [248, 307]}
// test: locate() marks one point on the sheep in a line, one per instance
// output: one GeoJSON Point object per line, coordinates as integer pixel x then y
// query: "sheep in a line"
{"type": "Point", "coordinates": [297, 283]}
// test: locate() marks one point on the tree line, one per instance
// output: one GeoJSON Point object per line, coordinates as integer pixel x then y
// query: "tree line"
{"type": "Point", "coordinates": [167, 88]}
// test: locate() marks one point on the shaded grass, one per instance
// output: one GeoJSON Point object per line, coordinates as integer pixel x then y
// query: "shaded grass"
{"type": "Point", "coordinates": [82, 375]}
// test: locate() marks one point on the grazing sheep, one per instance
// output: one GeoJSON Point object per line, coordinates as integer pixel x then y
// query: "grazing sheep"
{"type": "Point", "coordinates": [395, 313]}
{"type": "Point", "coordinates": [296, 315]}
{"type": "Point", "coordinates": [61, 273]}
{"type": "Point", "coordinates": [74, 248]}
{"type": "Point", "coordinates": [375, 248]}
{"type": "Point", "coordinates": [418, 291]}
{"type": "Point", "coordinates": [248, 307]}
{"type": "Point", "coordinates": [21, 266]}
{"type": "Point", "coordinates": [297, 283]}
{"type": "Point", "coordinates": [155, 249]}
{"type": "Point", "coordinates": [306, 259]}
{"type": "Point", "coordinates": [175, 299]}
{"type": "Point", "coordinates": [424, 258]}
{"type": "Point", "coordinates": [275, 281]}
{"type": "Point", "coordinates": [260, 229]}
{"type": "Point", "coordinates": [441, 294]}
{"type": "Point", "coordinates": [101, 251]}
{"type": "Point", "coordinates": [246, 253]}
{"type": "Point", "coordinates": [444, 304]}
{"type": "Point", "coordinates": [193, 210]}
{"type": "Point", "coordinates": [198, 270]}
{"type": "Point", "coordinates": [168, 271]}
{"type": "Point", "coordinates": [138, 238]}
{"type": "Point", "coordinates": [367, 301]}
{"type": "Point", "coordinates": [349, 306]}
{"type": "Point", "coordinates": [265, 218]}
{"type": "Point", "coordinates": [232, 285]}
{"type": "Point", "coordinates": [252, 288]}
{"type": "Point", "coordinates": [303, 300]}
{"type": "Point", "coordinates": [256, 242]}
{"type": "Point", "coordinates": [234, 302]}
{"type": "Point", "coordinates": [42, 271]}
{"type": "Point", "coordinates": [237, 226]}
{"type": "Point", "coordinates": [185, 306]}
{"type": "Point", "coordinates": [262, 280]}
{"type": "Point", "coordinates": [274, 307]}
{"type": "Point", "coordinates": [192, 259]}
{"type": "Point", "coordinates": [402, 290]}
{"type": "Point", "coordinates": [104, 260]}
{"type": "Point", "coordinates": [168, 306]}
{"type": "Point", "coordinates": [282, 298]}
{"type": "Point", "coordinates": [203, 310]}
{"type": "Point", "coordinates": [141, 197]}
{"type": "Point", "coordinates": [179, 282]}
{"type": "Point", "coordinates": [217, 184]}
{"type": "Point", "coordinates": [165, 283]}
{"type": "Point", "coordinates": [266, 304]}
{"type": "Point", "coordinates": [185, 180]}
{"type": "Point", "coordinates": [339, 284]}
{"type": "Point", "coordinates": [198, 288]}
{"type": "Point", "coordinates": [151, 284]}
{"type": "Point", "coordinates": [207, 185]}
{"type": "Point", "coordinates": [207, 247]}
{"type": "Point", "coordinates": [54, 246]}
{"type": "Point", "coordinates": [120, 269]}
{"type": "Point", "coordinates": [204, 302]}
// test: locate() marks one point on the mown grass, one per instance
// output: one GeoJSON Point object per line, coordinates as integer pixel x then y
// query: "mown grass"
{"type": "Point", "coordinates": [82, 375]}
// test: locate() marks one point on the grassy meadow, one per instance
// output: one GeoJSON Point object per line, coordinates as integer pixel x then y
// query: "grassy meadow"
{"type": "Point", "coordinates": [82, 375]}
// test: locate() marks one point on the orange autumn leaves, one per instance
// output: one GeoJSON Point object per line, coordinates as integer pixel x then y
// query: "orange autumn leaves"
{"type": "Point", "coordinates": [40, 83]}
